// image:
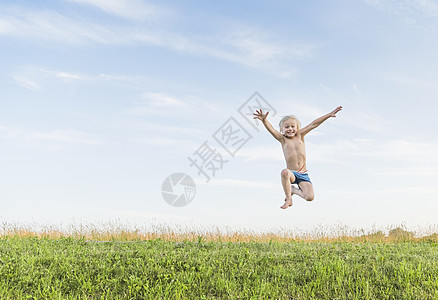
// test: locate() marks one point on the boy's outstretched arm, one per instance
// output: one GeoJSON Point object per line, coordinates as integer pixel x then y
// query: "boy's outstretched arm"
{"type": "Point", "coordinates": [319, 121]}
{"type": "Point", "coordinates": [263, 117]}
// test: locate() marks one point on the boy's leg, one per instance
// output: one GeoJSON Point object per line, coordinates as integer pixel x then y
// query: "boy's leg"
{"type": "Point", "coordinates": [287, 177]}
{"type": "Point", "coordinates": [305, 191]}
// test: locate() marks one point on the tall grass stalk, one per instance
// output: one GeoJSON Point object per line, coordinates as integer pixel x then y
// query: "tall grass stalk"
{"type": "Point", "coordinates": [116, 230]}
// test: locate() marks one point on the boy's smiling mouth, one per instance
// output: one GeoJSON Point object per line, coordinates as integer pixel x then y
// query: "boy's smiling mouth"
{"type": "Point", "coordinates": [289, 133]}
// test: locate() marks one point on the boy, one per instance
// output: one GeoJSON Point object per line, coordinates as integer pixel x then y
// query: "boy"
{"type": "Point", "coordinates": [291, 137]}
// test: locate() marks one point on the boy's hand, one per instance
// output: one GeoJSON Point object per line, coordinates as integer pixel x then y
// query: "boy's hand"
{"type": "Point", "coordinates": [260, 115]}
{"type": "Point", "coordinates": [335, 111]}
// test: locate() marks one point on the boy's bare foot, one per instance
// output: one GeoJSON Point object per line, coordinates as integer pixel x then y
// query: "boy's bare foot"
{"type": "Point", "coordinates": [287, 203]}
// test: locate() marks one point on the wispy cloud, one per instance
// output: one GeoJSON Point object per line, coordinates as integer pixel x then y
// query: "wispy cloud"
{"type": "Point", "coordinates": [61, 135]}
{"type": "Point", "coordinates": [69, 136]}
{"type": "Point", "coordinates": [410, 171]}
{"type": "Point", "coordinates": [422, 14]}
{"type": "Point", "coordinates": [243, 44]}
{"type": "Point", "coordinates": [238, 183]}
{"type": "Point", "coordinates": [162, 100]}
{"type": "Point", "coordinates": [26, 81]}
{"type": "Point", "coordinates": [262, 153]}
{"type": "Point", "coordinates": [408, 152]}
{"type": "Point", "coordinates": [7, 132]}
{"type": "Point", "coordinates": [166, 104]}
{"type": "Point", "coordinates": [53, 26]}
{"type": "Point", "coordinates": [156, 103]}
{"type": "Point", "coordinates": [257, 48]}
{"type": "Point", "coordinates": [133, 9]}
{"type": "Point", "coordinates": [34, 77]}
{"type": "Point", "coordinates": [405, 80]}
{"type": "Point", "coordinates": [252, 47]}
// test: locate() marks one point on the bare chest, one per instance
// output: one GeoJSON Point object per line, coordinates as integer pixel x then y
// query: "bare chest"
{"type": "Point", "coordinates": [294, 146]}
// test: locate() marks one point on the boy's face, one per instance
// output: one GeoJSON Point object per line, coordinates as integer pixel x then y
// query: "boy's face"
{"type": "Point", "coordinates": [290, 128]}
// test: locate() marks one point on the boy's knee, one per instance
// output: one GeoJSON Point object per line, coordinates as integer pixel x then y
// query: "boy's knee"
{"type": "Point", "coordinates": [285, 173]}
{"type": "Point", "coordinates": [309, 197]}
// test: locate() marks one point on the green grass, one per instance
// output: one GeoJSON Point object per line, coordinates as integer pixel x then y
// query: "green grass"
{"type": "Point", "coordinates": [70, 268]}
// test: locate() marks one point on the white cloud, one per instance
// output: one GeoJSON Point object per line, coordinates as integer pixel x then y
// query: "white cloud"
{"type": "Point", "coordinates": [26, 81]}
{"type": "Point", "coordinates": [158, 104]}
{"type": "Point", "coordinates": [422, 14]}
{"type": "Point", "coordinates": [187, 107]}
{"type": "Point", "coordinates": [133, 9]}
{"type": "Point", "coordinates": [162, 100]}
{"type": "Point", "coordinates": [262, 153]}
{"type": "Point", "coordinates": [164, 130]}
{"type": "Point", "coordinates": [414, 82]}
{"type": "Point", "coordinates": [253, 48]}
{"type": "Point", "coordinates": [52, 26]}
{"type": "Point", "coordinates": [7, 132]}
{"type": "Point", "coordinates": [238, 183]}
{"type": "Point", "coordinates": [159, 141]}
{"type": "Point", "coordinates": [355, 88]}
{"type": "Point", "coordinates": [409, 152]}
{"type": "Point", "coordinates": [35, 78]}
{"type": "Point", "coordinates": [70, 76]}
{"type": "Point", "coordinates": [243, 45]}
{"type": "Point", "coordinates": [297, 106]}
{"type": "Point", "coordinates": [414, 191]}
{"type": "Point", "coordinates": [61, 135]}
{"type": "Point", "coordinates": [367, 121]}
{"type": "Point", "coordinates": [70, 136]}
{"type": "Point", "coordinates": [410, 171]}
{"type": "Point", "coordinates": [256, 48]}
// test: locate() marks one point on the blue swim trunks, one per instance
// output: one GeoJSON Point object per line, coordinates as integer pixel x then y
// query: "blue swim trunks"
{"type": "Point", "coordinates": [299, 177]}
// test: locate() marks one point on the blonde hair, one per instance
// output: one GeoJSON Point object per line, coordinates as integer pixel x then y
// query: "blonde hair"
{"type": "Point", "coordinates": [290, 117]}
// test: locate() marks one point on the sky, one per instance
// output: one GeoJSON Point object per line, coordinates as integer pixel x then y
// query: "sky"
{"type": "Point", "coordinates": [102, 101]}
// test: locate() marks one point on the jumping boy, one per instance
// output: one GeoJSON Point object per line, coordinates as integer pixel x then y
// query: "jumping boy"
{"type": "Point", "coordinates": [291, 137]}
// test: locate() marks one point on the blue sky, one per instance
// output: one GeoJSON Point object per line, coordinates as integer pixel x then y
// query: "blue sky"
{"type": "Point", "coordinates": [102, 100]}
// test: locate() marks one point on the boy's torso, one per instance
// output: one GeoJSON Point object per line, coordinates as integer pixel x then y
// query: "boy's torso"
{"type": "Point", "coordinates": [294, 151]}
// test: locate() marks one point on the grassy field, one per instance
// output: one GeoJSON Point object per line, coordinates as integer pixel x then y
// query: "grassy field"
{"type": "Point", "coordinates": [375, 266]}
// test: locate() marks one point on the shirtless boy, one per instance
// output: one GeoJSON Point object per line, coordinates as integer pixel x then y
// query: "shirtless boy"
{"type": "Point", "coordinates": [291, 137]}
